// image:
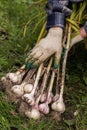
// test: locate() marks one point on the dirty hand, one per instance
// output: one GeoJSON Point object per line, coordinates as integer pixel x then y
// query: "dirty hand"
{"type": "Point", "coordinates": [49, 45]}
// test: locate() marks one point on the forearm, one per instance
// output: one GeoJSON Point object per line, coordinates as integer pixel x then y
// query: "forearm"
{"type": "Point", "coordinates": [56, 14]}
{"type": "Point", "coordinates": [57, 11]}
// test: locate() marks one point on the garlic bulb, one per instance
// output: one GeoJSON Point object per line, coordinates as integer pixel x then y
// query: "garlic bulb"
{"type": "Point", "coordinates": [15, 77]}
{"type": "Point", "coordinates": [29, 98]}
{"type": "Point", "coordinates": [61, 107]}
{"type": "Point", "coordinates": [34, 114]}
{"type": "Point", "coordinates": [28, 88]}
{"type": "Point", "coordinates": [58, 105]}
{"type": "Point", "coordinates": [18, 90]}
{"type": "Point", "coordinates": [44, 108]}
{"type": "Point", "coordinates": [3, 79]}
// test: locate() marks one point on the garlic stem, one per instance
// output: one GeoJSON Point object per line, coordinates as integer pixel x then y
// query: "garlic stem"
{"type": "Point", "coordinates": [51, 83]}
{"type": "Point", "coordinates": [57, 82]}
{"type": "Point", "coordinates": [46, 74]}
{"type": "Point", "coordinates": [29, 98]}
{"type": "Point", "coordinates": [45, 79]}
{"type": "Point", "coordinates": [65, 60]}
{"type": "Point", "coordinates": [37, 78]}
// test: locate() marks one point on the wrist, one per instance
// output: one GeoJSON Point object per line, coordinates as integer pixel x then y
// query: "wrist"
{"type": "Point", "coordinates": [55, 32]}
{"type": "Point", "coordinates": [56, 19]}
{"type": "Point", "coordinates": [75, 1]}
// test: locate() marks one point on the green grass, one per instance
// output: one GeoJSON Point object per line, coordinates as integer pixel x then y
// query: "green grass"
{"type": "Point", "coordinates": [13, 45]}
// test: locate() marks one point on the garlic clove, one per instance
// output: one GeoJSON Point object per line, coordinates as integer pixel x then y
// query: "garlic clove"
{"type": "Point", "coordinates": [29, 98]}
{"type": "Point", "coordinates": [44, 108]}
{"type": "Point", "coordinates": [28, 88]}
{"type": "Point", "coordinates": [34, 114]}
{"type": "Point", "coordinates": [18, 90]}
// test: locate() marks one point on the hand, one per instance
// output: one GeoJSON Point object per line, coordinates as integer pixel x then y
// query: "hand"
{"type": "Point", "coordinates": [49, 45]}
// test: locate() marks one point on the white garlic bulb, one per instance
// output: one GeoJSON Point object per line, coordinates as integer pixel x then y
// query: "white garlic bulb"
{"type": "Point", "coordinates": [28, 88]}
{"type": "Point", "coordinates": [29, 98]}
{"type": "Point", "coordinates": [59, 105]}
{"type": "Point", "coordinates": [3, 79]}
{"type": "Point", "coordinates": [34, 114]}
{"type": "Point", "coordinates": [44, 108]}
{"type": "Point", "coordinates": [14, 77]}
{"type": "Point", "coordinates": [18, 90]}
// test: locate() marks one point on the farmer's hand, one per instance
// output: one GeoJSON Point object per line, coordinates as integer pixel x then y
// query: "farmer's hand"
{"type": "Point", "coordinates": [49, 45]}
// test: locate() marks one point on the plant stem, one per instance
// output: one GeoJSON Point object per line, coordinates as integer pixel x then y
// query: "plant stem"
{"type": "Point", "coordinates": [51, 84]}
{"type": "Point", "coordinates": [43, 86]}
{"type": "Point", "coordinates": [37, 78]}
{"type": "Point", "coordinates": [65, 60]}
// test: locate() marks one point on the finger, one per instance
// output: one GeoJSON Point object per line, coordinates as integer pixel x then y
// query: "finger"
{"type": "Point", "coordinates": [41, 59]}
{"type": "Point", "coordinates": [32, 52]}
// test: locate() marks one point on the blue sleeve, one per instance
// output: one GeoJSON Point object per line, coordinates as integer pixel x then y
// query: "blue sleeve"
{"type": "Point", "coordinates": [57, 10]}
{"type": "Point", "coordinates": [75, 1]}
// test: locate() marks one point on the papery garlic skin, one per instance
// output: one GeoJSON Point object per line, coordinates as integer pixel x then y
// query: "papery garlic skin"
{"type": "Point", "coordinates": [54, 106]}
{"type": "Point", "coordinates": [18, 90]}
{"type": "Point", "coordinates": [29, 98]}
{"type": "Point", "coordinates": [43, 97]}
{"type": "Point", "coordinates": [50, 98]}
{"type": "Point", "coordinates": [44, 108]}
{"type": "Point", "coordinates": [34, 114]}
{"type": "Point", "coordinates": [58, 106]}
{"type": "Point", "coordinates": [28, 88]}
{"type": "Point", "coordinates": [15, 77]}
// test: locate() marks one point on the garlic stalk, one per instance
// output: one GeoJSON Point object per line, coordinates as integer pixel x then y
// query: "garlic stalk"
{"type": "Point", "coordinates": [17, 77]}
{"type": "Point", "coordinates": [44, 107]}
{"type": "Point", "coordinates": [35, 113]}
{"type": "Point", "coordinates": [44, 82]}
{"type": "Point", "coordinates": [43, 97]}
{"type": "Point", "coordinates": [59, 104]}
{"type": "Point", "coordinates": [29, 98]}
{"type": "Point", "coordinates": [56, 97]}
